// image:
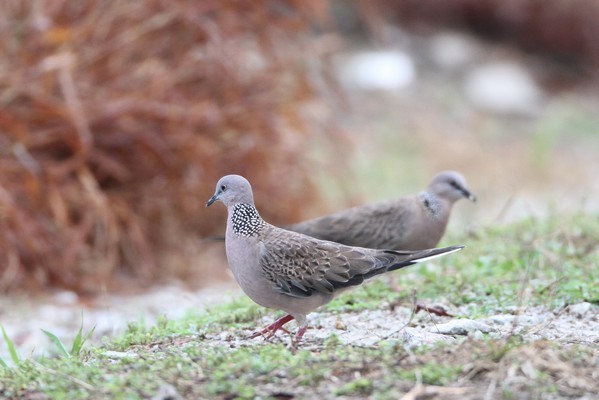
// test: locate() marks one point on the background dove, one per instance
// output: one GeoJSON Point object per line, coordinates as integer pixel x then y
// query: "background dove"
{"type": "Point", "coordinates": [409, 223]}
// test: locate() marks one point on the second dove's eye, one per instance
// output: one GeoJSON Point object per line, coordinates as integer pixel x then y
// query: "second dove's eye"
{"type": "Point", "coordinates": [223, 187]}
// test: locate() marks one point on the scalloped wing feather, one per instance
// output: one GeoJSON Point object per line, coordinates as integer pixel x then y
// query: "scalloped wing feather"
{"type": "Point", "coordinates": [301, 266]}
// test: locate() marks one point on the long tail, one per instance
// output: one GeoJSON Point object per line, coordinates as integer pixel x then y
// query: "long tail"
{"type": "Point", "coordinates": [405, 258]}
{"type": "Point", "coordinates": [391, 260]}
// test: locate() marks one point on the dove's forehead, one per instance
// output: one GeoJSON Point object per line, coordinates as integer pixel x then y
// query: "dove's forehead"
{"type": "Point", "coordinates": [234, 182]}
{"type": "Point", "coordinates": [448, 176]}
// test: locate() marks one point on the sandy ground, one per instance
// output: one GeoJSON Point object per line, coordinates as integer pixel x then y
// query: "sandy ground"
{"type": "Point", "coordinates": [575, 324]}
{"type": "Point", "coordinates": [61, 314]}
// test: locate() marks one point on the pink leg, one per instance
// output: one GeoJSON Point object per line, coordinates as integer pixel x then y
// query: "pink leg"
{"type": "Point", "coordinates": [300, 334]}
{"type": "Point", "coordinates": [272, 328]}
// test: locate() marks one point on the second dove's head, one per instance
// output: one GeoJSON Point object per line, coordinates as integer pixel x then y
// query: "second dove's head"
{"type": "Point", "coordinates": [450, 185]}
{"type": "Point", "coordinates": [232, 189]}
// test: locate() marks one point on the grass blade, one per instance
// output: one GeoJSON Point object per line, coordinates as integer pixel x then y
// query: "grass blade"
{"type": "Point", "coordinates": [3, 363]}
{"type": "Point", "coordinates": [80, 340]}
{"type": "Point", "coordinates": [11, 347]}
{"type": "Point", "coordinates": [58, 343]}
{"type": "Point", "coordinates": [77, 342]}
{"type": "Point", "coordinates": [87, 337]}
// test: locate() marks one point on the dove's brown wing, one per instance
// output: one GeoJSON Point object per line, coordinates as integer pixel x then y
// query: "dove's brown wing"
{"type": "Point", "coordinates": [384, 224]}
{"type": "Point", "coordinates": [300, 266]}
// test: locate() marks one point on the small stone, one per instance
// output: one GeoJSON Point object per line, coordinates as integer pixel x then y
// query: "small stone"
{"type": "Point", "coordinates": [476, 335]}
{"type": "Point", "coordinates": [120, 354]}
{"type": "Point", "coordinates": [166, 392]}
{"type": "Point", "coordinates": [508, 319]}
{"type": "Point", "coordinates": [501, 319]}
{"type": "Point", "coordinates": [339, 325]}
{"type": "Point", "coordinates": [415, 337]}
{"type": "Point", "coordinates": [66, 298]}
{"type": "Point", "coordinates": [453, 50]}
{"type": "Point", "coordinates": [579, 309]}
{"type": "Point", "coordinates": [461, 327]}
{"type": "Point", "coordinates": [378, 70]}
{"type": "Point", "coordinates": [504, 87]}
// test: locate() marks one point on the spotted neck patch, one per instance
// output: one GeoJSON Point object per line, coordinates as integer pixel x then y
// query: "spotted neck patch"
{"type": "Point", "coordinates": [246, 220]}
{"type": "Point", "coordinates": [431, 204]}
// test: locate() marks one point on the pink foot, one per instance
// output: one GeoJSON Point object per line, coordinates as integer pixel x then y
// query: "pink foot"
{"type": "Point", "coordinates": [273, 328]}
{"type": "Point", "coordinates": [300, 334]}
{"type": "Point", "coordinates": [298, 337]}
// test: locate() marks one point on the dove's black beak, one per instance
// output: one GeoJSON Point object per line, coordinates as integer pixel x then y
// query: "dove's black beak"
{"type": "Point", "coordinates": [465, 192]}
{"type": "Point", "coordinates": [212, 199]}
{"type": "Point", "coordinates": [469, 195]}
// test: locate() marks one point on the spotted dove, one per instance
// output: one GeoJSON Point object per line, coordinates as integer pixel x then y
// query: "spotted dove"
{"type": "Point", "coordinates": [408, 223]}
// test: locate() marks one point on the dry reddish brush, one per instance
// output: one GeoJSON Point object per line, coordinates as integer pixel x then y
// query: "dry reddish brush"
{"type": "Point", "coordinates": [117, 118]}
{"type": "Point", "coordinates": [565, 31]}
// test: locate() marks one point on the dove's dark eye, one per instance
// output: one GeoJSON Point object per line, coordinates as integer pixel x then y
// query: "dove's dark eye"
{"type": "Point", "coordinates": [223, 188]}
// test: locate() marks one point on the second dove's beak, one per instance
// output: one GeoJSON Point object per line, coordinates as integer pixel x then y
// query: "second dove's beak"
{"type": "Point", "coordinates": [212, 199]}
{"type": "Point", "coordinates": [469, 195]}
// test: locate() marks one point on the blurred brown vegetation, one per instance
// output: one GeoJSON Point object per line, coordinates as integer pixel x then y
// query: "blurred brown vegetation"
{"type": "Point", "coordinates": [117, 118]}
{"type": "Point", "coordinates": [564, 31]}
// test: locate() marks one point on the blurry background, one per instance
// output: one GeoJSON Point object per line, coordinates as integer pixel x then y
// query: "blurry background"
{"type": "Point", "coordinates": [117, 119]}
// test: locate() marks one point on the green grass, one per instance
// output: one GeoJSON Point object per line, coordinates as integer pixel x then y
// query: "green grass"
{"type": "Point", "coordinates": [14, 355]}
{"type": "Point", "coordinates": [550, 262]}
{"type": "Point", "coordinates": [77, 345]}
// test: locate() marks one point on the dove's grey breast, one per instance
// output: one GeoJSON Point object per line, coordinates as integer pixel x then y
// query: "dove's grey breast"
{"type": "Point", "coordinates": [250, 241]}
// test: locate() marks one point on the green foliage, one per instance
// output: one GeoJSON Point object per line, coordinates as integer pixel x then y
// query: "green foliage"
{"type": "Point", "coordinates": [360, 386]}
{"type": "Point", "coordinates": [11, 349]}
{"type": "Point", "coordinates": [77, 345]}
{"type": "Point", "coordinates": [239, 310]}
{"type": "Point", "coordinates": [58, 343]}
{"type": "Point", "coordinates": [432, 373]}
{"type": "Point", "coordinates": [80, 340]}
{"type": "Point", "coordinates": [366, 297]}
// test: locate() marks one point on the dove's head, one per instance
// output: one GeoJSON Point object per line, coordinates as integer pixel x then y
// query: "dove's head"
{"type": "Point", "coordinates": [450, 185]}
{"type": "Point", "coordinates": [232, 189]}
